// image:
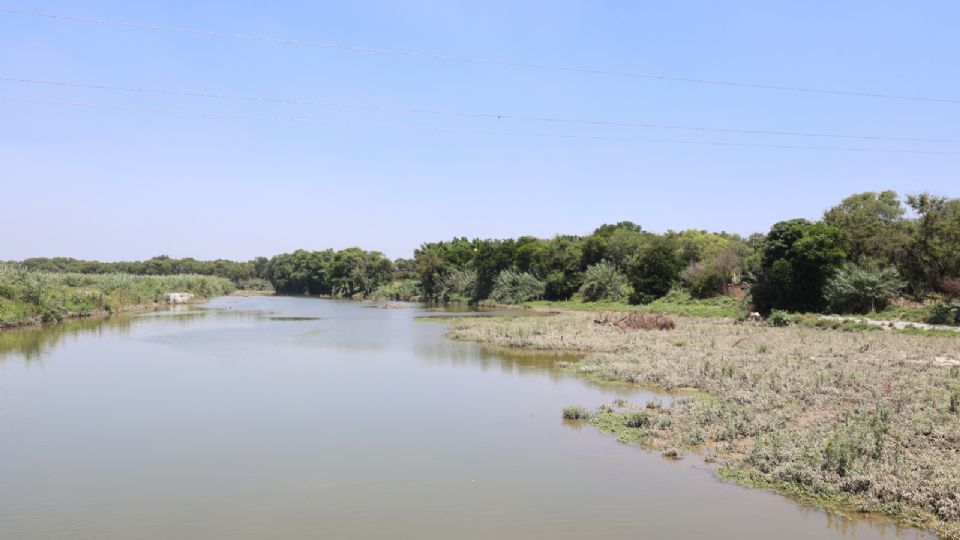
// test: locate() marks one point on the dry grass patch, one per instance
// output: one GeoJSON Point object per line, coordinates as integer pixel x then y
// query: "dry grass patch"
{"type": "Point", "coordinates": [866, 419]}
{"type": "Point", "coordinates": [635, 321]}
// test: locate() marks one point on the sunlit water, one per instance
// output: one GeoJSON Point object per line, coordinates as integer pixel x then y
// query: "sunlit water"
{"type": "Point", "coordinates": [304, 418]}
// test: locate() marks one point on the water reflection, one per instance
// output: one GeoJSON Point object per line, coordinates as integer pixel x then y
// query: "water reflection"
{"type": "Point", "coordinates": [301, 418]}
{"type": "Point", "coordinates": [34, 342]}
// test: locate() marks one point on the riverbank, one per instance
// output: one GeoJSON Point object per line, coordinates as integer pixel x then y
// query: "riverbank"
{"type": "Point", "coordinates": [29, 298]}
{"type": "Point", "coordinates": [868, 420]}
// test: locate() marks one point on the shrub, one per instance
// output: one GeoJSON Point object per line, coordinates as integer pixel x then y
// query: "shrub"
{"type": "Point", "coordinates": [706, 286]}
{"type": "Point", "coordinates": [459, 284]}
{"type": "Point", "coordinates": [403, 289]}
{"type": "Point", "coordinates": [945, 313]}
{"type": "Point", "coordinates": [603, 281]}
{"type": "Point", "coordinates": [778, 318]}
{"type": "Point", "coordinates": [576, 412]}
{"type": "Point", "coordinates": [861, 288]}
{"type": "Point", "coordinates": [512, 287]}
{"type": "Point", "coordinates": [702, 282]}
{"type": "Point", "coordinates": [637, 420]}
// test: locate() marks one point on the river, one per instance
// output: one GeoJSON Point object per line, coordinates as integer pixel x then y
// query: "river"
{"type": "Point", "coordinates": [283, 417]}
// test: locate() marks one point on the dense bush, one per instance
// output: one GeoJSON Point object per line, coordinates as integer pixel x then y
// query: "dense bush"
{"type": "Point", "coordinates": [862, 288]}
{"type": "Point", "coordinates": [405, 289]}
{"type": "Point", "coordinates": [343, 273]}
{"type": "Point", "coordinates": [27, 295]}
{"type": "Point", "coordinates": [458, 284]}
{"type": "Point", "coordinates": [157, 266]}
{"type": "Point", "coordinates": [603, 281]}
{"type": "Point", "coordinates": [512, 287]}
{"type": "Point", "coordinates": [946, 313]}
{"type": "Point", "coordinates": [787, 269]}
{"type": "Point", "coordinates": [798, 259]}
{"type": "Point", "coordinates": [653, 271]}
{"type": "Point", "coordinates": [706, 286]}
{"type": "Point", "coordinates": [779, 318]}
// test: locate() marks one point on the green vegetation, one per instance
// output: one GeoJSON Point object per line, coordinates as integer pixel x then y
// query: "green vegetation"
{"type": "Point", "coordinates": [653, 271]}
{"type": "Point", "coordinates": [576, 412]}
{"type": "Point", "coordinates": [864, 255]}
{"type": "Point", "coordinates": [867, 420]}
{"type": "Point", "coordinates": [28, 296]}
{"type": "Point", "coordinates": [779, 318]}
{"type": "Point", "coordinates": [513, 287]}
{"type": "Point", "coordinates": [237, 272]}
{"type": "Point", "coordinates": [798, 258]}
{"type": "Point", "coordinates": [255, 284]}
{"type": "Point", "coordinates": [861, 288]}
{"type": "Point", "coordinates": [405, 289]}
{"type": "Point", "coordinates": [603, 282]}
{"type": "Point", "coordinates": [344, 273]}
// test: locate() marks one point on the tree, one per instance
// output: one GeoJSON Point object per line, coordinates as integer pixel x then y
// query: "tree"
{"type": "Point", "coordinates": [935, 251]}
{"type": "Point", "coordinates": [798, 258]}
{"type": "Point", "coordinates": [596, 247]}
{"type": "Point", "coordinates": [492, 258]}
{"type": "Point", "coordinates": [653, 271]}
{"type": "Point", "coordinates": [871, 225]}
{"type": "Point", "coordinates": [862, 288]}
{"type": "Point", "coordinates": [434, 260]}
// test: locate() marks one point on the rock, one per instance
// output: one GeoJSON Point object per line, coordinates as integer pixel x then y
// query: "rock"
{"type": "Point", "coordinates": [179, 297]}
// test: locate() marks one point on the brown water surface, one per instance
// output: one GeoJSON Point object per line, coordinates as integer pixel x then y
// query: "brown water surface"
{"type": "Point", "coordinates": [273, 417]}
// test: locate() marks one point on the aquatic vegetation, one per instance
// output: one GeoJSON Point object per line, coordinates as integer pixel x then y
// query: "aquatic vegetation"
{"type": "Point", "coordinates": [576, 412]}
{"type": "Point", "coordinates": [864, 418]}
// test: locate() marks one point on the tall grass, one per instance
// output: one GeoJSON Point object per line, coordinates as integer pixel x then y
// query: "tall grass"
{"type": "Point", "coordinates": [27, 296]}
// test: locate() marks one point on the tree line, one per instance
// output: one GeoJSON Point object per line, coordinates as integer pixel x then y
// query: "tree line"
{"type": "Point", "coordinates": [866, 250]}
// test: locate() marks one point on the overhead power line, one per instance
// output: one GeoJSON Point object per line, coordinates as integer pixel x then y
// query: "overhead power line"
{"type": "Point", "coordinates": [464, 114]}
{"type": "Point", "coordinates": [470, 59]}
{"type": "Point", "coordinates": [334, 122]}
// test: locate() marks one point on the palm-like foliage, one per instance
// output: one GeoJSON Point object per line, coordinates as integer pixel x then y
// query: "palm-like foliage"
{"type": "Point", "coordinates": [603, 281]}
{"type": "Point", "coordinates": [512, 287]}
{"type": "Point", "coordinates": [862, 288]}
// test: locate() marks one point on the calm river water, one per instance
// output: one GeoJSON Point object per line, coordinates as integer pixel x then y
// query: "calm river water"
{"type": "Point", "coordinates": [278, 417]}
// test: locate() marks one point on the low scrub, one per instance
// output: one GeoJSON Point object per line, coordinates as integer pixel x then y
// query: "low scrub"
{"type": "Point", "coordinates": [635, 321]}
{"type": "Point", "coordinates": [866, 419]}
{"type": "Point", "coordinates": [576, 412]}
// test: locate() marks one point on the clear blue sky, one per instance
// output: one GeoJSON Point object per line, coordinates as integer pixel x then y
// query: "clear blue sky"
{"type": "Point", "coordinates": [115, 184]}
